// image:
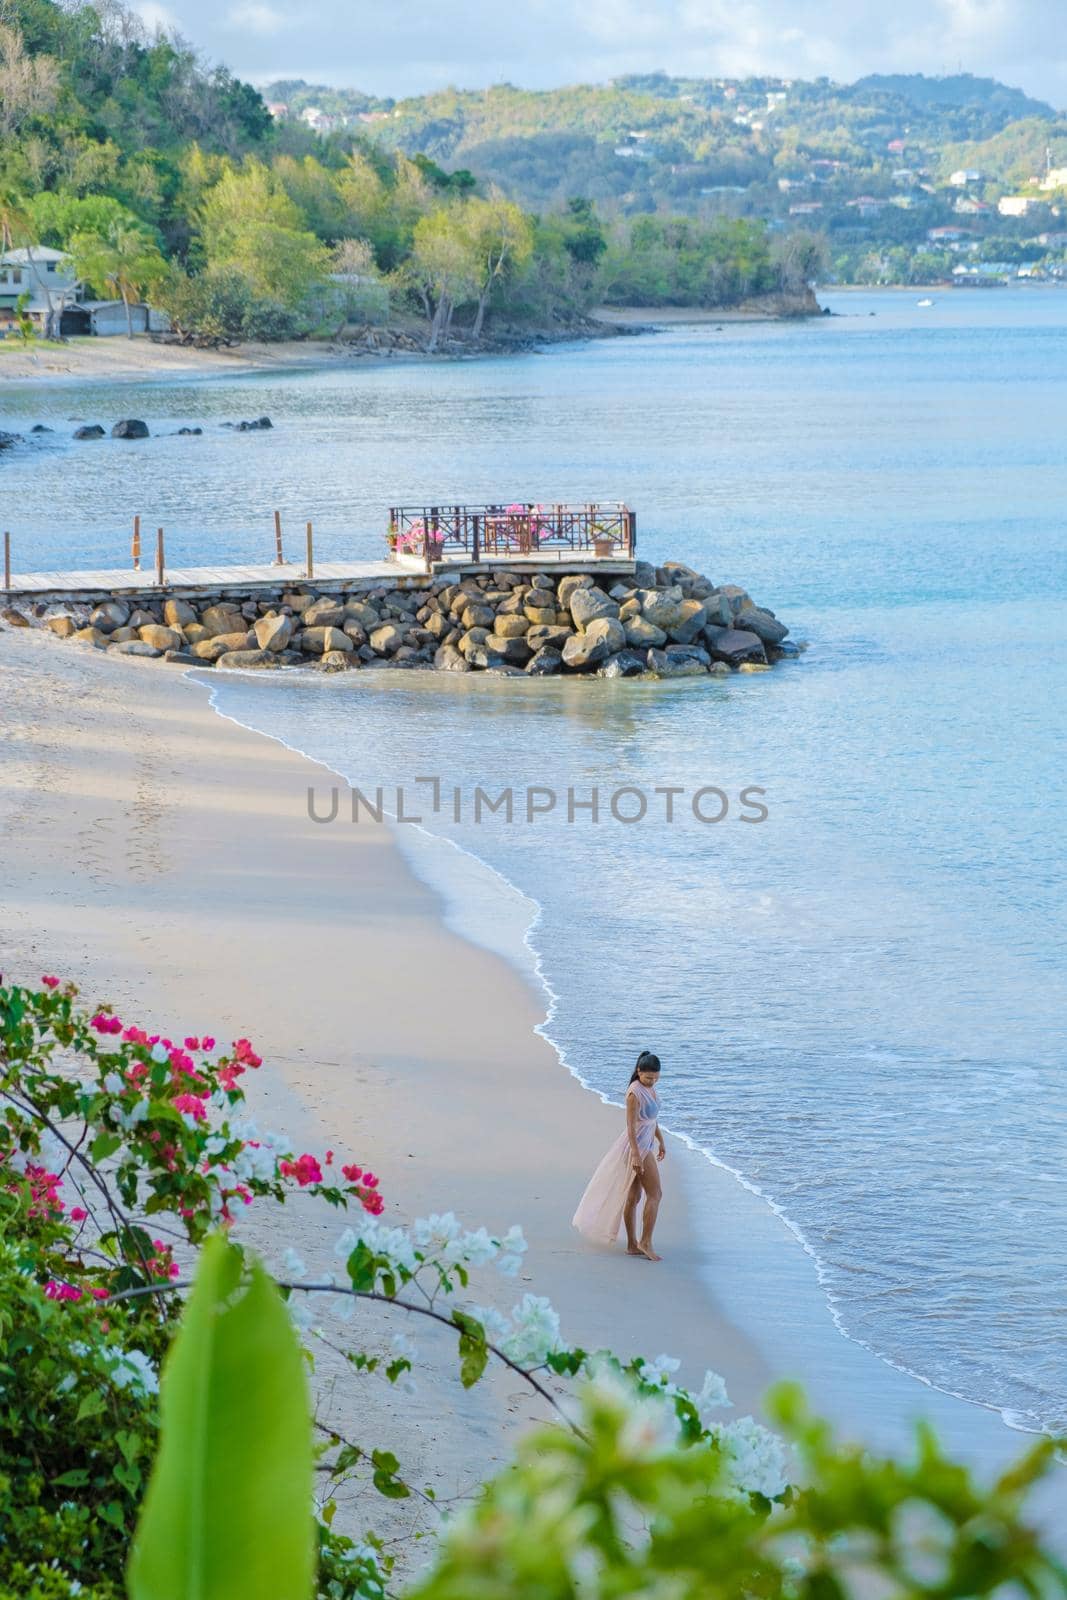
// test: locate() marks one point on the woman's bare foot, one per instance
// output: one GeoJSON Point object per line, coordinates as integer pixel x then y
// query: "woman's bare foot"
{"type": "Point", "coordinates": [634, 1250]}
{"type": "Point", "coordinates": [647, 1251]}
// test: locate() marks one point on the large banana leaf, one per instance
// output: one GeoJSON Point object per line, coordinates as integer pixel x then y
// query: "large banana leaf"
{"type": "Point", "coordinates": [227, 1515]}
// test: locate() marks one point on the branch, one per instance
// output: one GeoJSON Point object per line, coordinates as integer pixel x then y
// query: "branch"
{"type": "Point", "coordinates": [380, 1299]}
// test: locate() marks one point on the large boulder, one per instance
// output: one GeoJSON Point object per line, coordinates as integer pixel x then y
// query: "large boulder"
{"type": "Point", "coordinates": [195, 631]}
{"type": "Point", "coordinates": [319, 641]}
{"type": "Point", "coordinates": [274, 633]}
{"type": "Point", "coordinates": [108, 616]}
{"type": "Point", "coordinates": [223, 618]}
{"type": "Point", "coordinates": [130, 428]}
{"type": "Point", "coordinates": [734, 645]}
{"type": "Point", "coordinates": [546, 661]}
{"type": "Point", "coordinates": [140, 617]}
{"type": "Point", "coordinates": [324, 613]}
{"type": "Point", "coordinates": [448, 659]}
{"type": "Point", "coordinates": [133, 647]}
{"type": "Point", "coordinates": [552, 636]}
{"type": "Point", "coordinates": [509, 627]}
{"type": "Point", "coordinates": [162, 638]}
{"type": "Point", "coordinates": [569, 585]}
{"type": "Point", "coordinates": [338, 661]}
{"type": "Point", "coordinates": [178, 613]}
{"type": "Point", "coordinates": [467, 643]}
{"type": "Point", "coordinates": [437, 624]}
{"type": "Point", "coordinates": [587, 605]}
{"type": "Point", "coordinates": [91, 430]}
{"type": "Point", "coordinates": [235, 660]}
{"type": "Point", "coordinates": [644, 575]}
{"type": "Point", "coordinates": [642, 634]}
{"type": "Point", "coordinates": [663, 607]}
{"type": "Point", "coordinates": [62, 627]}
{"type": "Point", "coordinates": [386, 640]}
{"type": "Point", "coordinates": [123, 635]}
{"type": "Point", "coordinates": [363, 612]}
{"type": "Point", "coordinates": [668, 665]}
{"type": "Point", "coordinates": [477, 616]}
{"type": "Point", "coordinates": [219, 644]}
{"type": "Point", "coordinates": [539, 616]}
{"type": "Point", "coordinates": [692, 620]}
{"type": "Point", "coordinates": [603, 637]}
{"type": "Point", "coordinates": [515, 652]}
{"type": "Point", "coordinates": [764, 624]}
{"type": "Point", "coordinates": [91, 636]}
{"type": "Point", "coordinates": [625, 664]}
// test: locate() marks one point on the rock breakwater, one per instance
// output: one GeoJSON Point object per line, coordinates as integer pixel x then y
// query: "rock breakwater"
{"type": "Point", "coordinates": [660, 622]}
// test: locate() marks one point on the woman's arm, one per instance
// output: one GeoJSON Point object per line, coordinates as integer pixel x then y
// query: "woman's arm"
{"type": "Point", "coordinates": [631, 1130]}
{"type": "Point", "coordinates": [662, 1146]}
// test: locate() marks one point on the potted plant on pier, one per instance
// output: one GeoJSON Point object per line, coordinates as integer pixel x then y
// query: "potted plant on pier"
{"type": "Point", "coordinates": [603, 543]}
{"type": "Point", "coordinates": [392, 536]}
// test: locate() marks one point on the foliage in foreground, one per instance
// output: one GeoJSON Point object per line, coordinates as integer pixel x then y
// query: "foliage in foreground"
{"type": "Point", "coordinates": [637, 1488]}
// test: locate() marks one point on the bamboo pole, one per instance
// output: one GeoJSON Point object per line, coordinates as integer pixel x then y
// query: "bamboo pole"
{"type": "Point", "coordinates": [159, 557]}
{"type": "Point", "coordinates": [310, 573]}
{"type": "Point", "coordinates": [135, 549]}
{"type": "Point", "coordinates": [279, 558]}
{"type": "Point", "coordinates": [7, 561]}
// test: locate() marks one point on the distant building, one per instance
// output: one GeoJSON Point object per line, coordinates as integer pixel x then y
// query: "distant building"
{"type": "Point", "coordinates": [47, 277]}
{"type": "Point", "coordinates": [868, 205]}
{"type": "Point", "coordinates": [805, 208]}
{"type": "Point", "coordinates": [277, 108]}
{"type": "Point", "coordinates": [1055, 178]}
{"type": "Point", "coordinates": [965, 175]}
{"type": "Point", "coordinates": [896, 146]}
{"type": "Point", "coordinates": [967, 206]}
{"type": "Point", "coordinates": [947, 235]}
{"type": "Point", "coordinates": [1053, 241]}
{"type": "Point", "coordinates": [57, 304]}
{"type": "Point", "coordinates": [1017, 205]}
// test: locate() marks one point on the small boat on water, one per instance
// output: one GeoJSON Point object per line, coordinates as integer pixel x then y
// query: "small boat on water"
{"type": "Point", "coordinates": [924, 302]}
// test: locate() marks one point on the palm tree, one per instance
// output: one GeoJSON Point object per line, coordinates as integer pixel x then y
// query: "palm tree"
{"type": "Point", "coordinates": [125, 261]}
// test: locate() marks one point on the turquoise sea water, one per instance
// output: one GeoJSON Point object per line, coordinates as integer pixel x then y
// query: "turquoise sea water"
{"type": "Point", "coordinates": [859, 1001]}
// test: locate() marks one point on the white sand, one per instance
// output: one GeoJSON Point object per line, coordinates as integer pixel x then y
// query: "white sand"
{"type": "Point", "coordinates": [162, 858]}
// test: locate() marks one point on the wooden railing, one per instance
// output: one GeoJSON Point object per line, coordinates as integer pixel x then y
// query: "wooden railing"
{"type": "Point", "coordinates": [478, 533]}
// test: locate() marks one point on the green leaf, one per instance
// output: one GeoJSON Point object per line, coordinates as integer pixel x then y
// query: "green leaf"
{"type": "Point", "coordinates": [227, 1515]}
{"type": "Point", "coordinates": [91, 1406]}
{"type": "Point", "coordinates": [104, 1145]}
{"type": "Point", "coordinates": [473, 1350]}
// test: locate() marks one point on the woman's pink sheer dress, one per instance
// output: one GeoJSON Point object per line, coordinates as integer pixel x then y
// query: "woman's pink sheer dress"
{"type": "Point", "coordinates": [599, 1213]}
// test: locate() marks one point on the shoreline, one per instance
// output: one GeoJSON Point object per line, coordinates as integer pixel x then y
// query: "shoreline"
{"type": "Point", "coordinates": [161, 856]}
{"type": "Point", "coordinates": [146, 785]}
{"type": "Point", "coordinates": [118, 359]}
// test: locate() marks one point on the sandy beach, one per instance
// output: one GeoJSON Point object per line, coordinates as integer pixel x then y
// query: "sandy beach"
{"type": "Point", "coordinates": [163, 858]}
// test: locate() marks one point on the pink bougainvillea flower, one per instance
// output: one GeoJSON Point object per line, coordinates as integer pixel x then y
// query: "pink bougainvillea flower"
{"type": "Point", "coordinates": [370, 1180]}
{"type": "Point", "coordinates": [207, 1043]}
{"type": "Point", "coordinates": [353, 1174]}
{"type": "Point", "coordinates": [243, 1052]}
{"type": "Point", "coordinates": [329, 1158]}
{"type": "Point", "coordinates": [305, 1169]}
{"type": "Point", "coordinates": [61, 1291]}
{"type": "Point", "coordinates": [99, 1294]}
{"type": "Point", "coordinates": [189, 1103]}
{"type": "Point", "coordinates": [78, 1214]}
{"type": "Point", "coordinates": [192, 1043]}
{"type": "Point", "coordinates": [50, 983]}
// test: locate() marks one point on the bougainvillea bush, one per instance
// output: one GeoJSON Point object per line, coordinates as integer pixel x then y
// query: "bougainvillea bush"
{"type": "Point", "coordinates": [124, 1157]}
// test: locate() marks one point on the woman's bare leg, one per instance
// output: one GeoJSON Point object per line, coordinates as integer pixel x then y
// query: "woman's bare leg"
{"type": "Point", "coordinates": [653, 1191]}
{"type": "Point", "coordinates": [629, 1217]}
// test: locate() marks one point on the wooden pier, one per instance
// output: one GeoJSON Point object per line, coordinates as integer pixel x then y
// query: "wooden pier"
{"type": "Point", "coordinates": [422, 544]}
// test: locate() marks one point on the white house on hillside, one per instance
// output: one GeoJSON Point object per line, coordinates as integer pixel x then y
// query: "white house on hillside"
{"type": "Point", "coordinates": [58, 304]}
{"type": "Point", "coordinates": [47, 276]}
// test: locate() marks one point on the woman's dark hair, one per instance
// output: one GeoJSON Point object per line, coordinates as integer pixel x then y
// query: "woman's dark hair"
{"type": "Point", "coordinates": [646, 1062]}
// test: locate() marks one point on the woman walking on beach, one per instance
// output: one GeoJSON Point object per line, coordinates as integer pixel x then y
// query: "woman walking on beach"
{"type": "Point", "coordinates": [629, 1170]}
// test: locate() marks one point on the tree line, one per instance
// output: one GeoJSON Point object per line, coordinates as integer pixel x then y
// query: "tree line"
{"type": "Point", "coordinates": [167, 180]}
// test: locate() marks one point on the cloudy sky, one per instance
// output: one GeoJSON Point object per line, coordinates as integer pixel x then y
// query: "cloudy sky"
{"type": "Point", "coordinates": [399, 47]}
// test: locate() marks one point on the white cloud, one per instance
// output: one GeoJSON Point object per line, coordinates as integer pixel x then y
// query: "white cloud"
{"type": "Point", "coordinates": [256, 18]}
{"type": "Point", "coordinates": [154, 15]}
{"type": "Point", "coordinates": [399, 49]}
